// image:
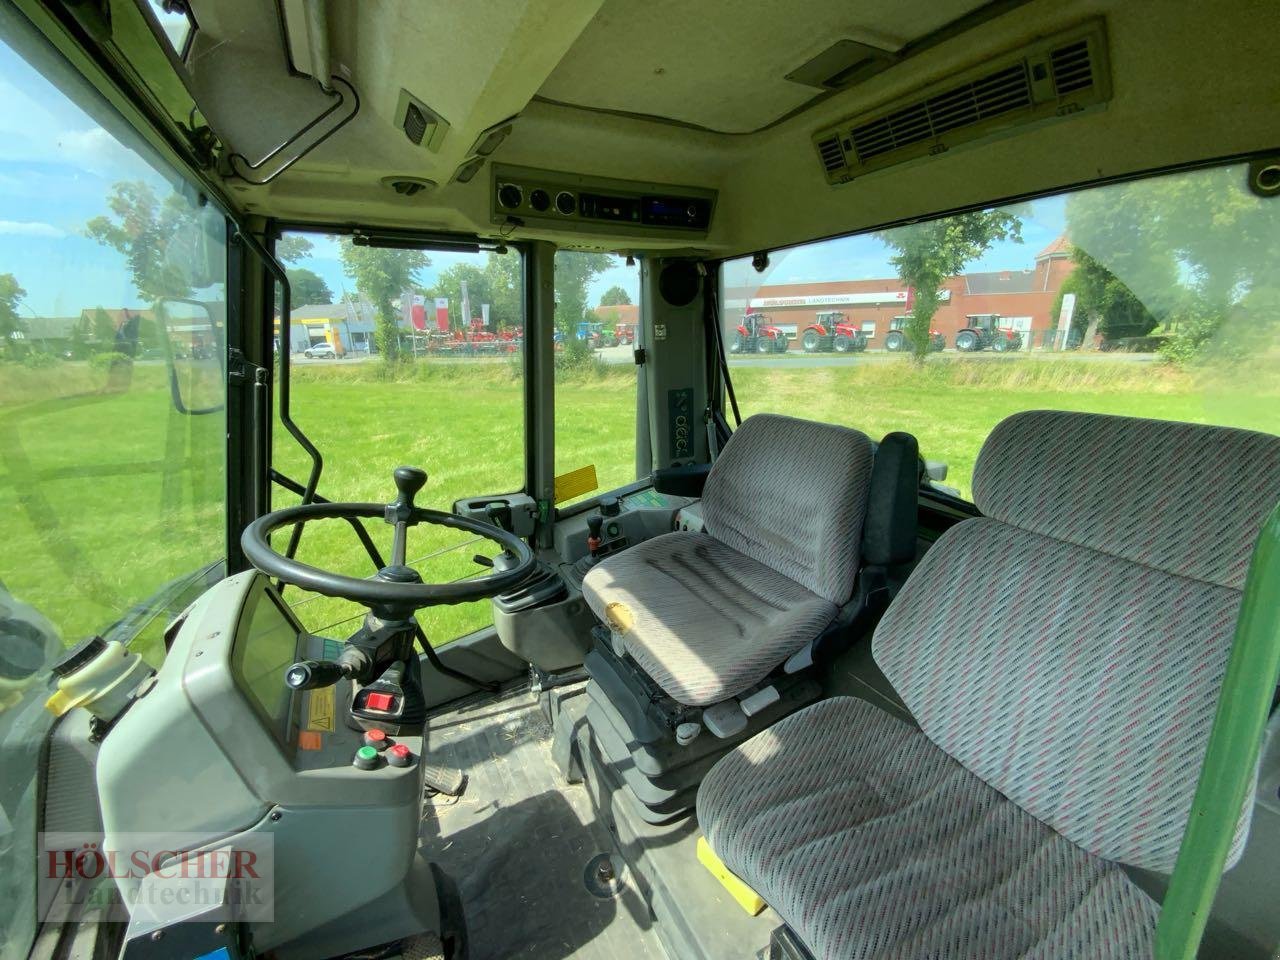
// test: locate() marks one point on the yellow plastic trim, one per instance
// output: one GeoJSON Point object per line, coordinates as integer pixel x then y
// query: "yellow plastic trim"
{"type": "Point", "coordinates": [576, 482]}
{"type": "Point", "coordinates": [747, 898]}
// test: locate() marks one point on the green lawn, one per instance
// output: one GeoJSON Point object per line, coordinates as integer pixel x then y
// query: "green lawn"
{"type": "Point", "coordinates": [106, 492]}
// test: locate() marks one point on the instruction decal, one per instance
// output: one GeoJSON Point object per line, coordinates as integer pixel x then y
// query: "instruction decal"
{"type": "Point", "coordinates": [321, 709]}
{"type": "Point", "coordinates": [680, 423]}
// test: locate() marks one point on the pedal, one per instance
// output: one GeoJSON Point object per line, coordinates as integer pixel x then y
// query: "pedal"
{"type": "Point", "coordinates": [444, 780]}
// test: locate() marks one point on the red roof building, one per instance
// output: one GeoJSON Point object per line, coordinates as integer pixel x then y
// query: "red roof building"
{"type": "Point", "coordinates": [1024, 299]}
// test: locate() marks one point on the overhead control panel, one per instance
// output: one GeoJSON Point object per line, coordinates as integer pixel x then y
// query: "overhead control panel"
{"type": "Point", "coordinates": [547, 198]}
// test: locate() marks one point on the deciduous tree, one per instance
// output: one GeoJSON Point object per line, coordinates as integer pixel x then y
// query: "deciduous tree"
{"type": "Point", "coordinates": [382, 274]}
{"type": "Point", "coordinates": [615, 296]}
{"type": "Point", "coordinates": [928, 253]}
{"type": "Point", "coordinates": [11, 325]}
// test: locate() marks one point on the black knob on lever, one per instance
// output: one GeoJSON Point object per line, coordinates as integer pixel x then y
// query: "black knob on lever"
{"type": "Point", "coordinates": [594, 523]}
{"type": "Point", "coordinates": [409, 480]}
{"type": "Point", "coordinates": [310, 674]}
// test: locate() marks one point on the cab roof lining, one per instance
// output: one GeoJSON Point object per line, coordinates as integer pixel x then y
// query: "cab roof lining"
{"type": "Point", "coordinates": [534, 59]}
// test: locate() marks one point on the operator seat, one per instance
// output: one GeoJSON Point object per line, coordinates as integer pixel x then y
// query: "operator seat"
{"type": "Point", "coordinates": [809, 529]}
{"type": "Point", "coordinates": [1063, 657]}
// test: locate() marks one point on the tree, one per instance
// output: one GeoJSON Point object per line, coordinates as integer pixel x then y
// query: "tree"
{"type": "Point", "coordinates": [307, 286]}
{"type": "Point", "coordinates": [145, 230]}
{"type": "Point", "coordinates": [574, 270]}
{"type": "Point", "coordinates": [1104, 299]}
{"type": "Point", "coordinates": [11, 325]}
{"type": "Point", "coordinates": [293, 247]}
{"type": "Point", "coordinates": [449, 285]}
{"type": "Point", "coordinates": [1192, 247]}
{"type": "Point", "coordinates": [615, 297]}
{"type": "Point", "coordinates": [928, 253]}
{"type": "Point", "coordinates": [382, 274]}
{"type": "Point", "coordinates": [104, 330]}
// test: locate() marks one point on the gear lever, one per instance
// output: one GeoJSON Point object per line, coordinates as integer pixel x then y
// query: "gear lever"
{"type": "Point", "coordinates": [594, 523]}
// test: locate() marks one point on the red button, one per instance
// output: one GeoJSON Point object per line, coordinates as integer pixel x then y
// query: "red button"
{"type": "Point", "coordinates": [372, 735]}
{"type": "Point", "coordinates": [400, 750]}
{"type": "Point", "coordinates": [380, 701]}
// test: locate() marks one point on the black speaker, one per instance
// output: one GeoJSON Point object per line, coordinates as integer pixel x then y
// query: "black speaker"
{"type": "Point", "coordinates": [679, 282]}
{"type": "Point", "coordinates": [1264, 176]}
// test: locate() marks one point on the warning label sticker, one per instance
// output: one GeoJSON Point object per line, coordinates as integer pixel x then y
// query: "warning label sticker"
{"type": "Point", "coordinates": [320, 709]}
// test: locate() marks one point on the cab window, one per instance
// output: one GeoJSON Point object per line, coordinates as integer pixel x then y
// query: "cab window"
{"type": "Point", "coordinates": [400, 357]}
{"type": "Point", "coordinates": [597, 323]}
{"type": "Point", "coordinates": [112, 431]}
{"type": "Point", "coordinates": [1155, 298]}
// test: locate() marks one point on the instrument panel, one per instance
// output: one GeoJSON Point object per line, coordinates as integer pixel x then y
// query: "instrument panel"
{"type": "Point", "coordinates": [572, 201]}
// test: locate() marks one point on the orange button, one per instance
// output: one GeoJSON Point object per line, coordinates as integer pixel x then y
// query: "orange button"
{"type": "Point", "coordinates": [380, 701]}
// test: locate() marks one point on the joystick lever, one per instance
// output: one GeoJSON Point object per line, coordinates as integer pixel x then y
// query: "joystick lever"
{"type": "Point", "coordinates": [594, 523]}
{"type": "Point", "coordinates": [399, 512]}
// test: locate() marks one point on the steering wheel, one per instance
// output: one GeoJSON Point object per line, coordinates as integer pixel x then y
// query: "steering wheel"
{"type": "Point", "coordinates": [397, 589]}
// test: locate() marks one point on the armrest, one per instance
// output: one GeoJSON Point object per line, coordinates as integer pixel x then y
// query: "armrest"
{"type": "Point", "coordinates": [681, 481]}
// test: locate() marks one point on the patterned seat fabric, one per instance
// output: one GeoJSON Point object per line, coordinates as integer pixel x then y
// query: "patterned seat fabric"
{"type": "Point", "coordinates": [708, 615]}
{"type": "Point", "coordinates": [1063, 656]}
{"type": "Point", "coordinates": [869, 841]}
{"type": "Point", "coordinates": [701, 619]}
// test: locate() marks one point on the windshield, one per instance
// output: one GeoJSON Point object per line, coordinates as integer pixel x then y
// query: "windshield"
{"type": "Point", "coordinates": [112, 434]}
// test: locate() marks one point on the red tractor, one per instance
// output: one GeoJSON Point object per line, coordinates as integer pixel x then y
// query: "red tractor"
{"type": "Point", "coordinates": [896, 340]}
{"type": "Point", "coordinates": [625, 333]}
{"type": "Point", "coordinates": [983, 331]}
{"type": "Point", "coordinates": [757, 335]}
{"type": "Point", "coordinates": [833, 331]}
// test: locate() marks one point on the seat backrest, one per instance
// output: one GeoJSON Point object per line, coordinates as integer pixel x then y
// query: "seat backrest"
{"type": "Point", "coordinates": [792, 494]}
{"type": "Point", "coordinates": [1069, 646]}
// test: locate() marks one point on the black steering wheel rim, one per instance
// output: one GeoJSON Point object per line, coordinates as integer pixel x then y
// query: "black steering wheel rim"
{"type": "Point", "coordinates": [376, 592]}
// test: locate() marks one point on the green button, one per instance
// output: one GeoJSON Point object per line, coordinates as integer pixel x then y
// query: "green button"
{"type": "Point", "coordinates": [367, 753]}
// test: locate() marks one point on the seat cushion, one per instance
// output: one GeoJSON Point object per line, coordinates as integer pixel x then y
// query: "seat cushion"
{"type": "Point", "coordinates": [870, 841]}
{"type": "Point", "coordinates": [700, 618]}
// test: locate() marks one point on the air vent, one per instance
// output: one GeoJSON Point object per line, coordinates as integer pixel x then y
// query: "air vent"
{"type": "Point", "coordinates": [831, 154]}
{"type": "Point", "coordinates": [422, 125]}
{"type": "Point", "coordinates": [1072, 68]}
{"type": "Point", "coordinates": [1056, 77]}
{"type": "Point", "coordinates": [990, 96]}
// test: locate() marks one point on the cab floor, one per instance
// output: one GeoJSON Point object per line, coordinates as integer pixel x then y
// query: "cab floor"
{"type": "Point", "coordinates": [518, 842]}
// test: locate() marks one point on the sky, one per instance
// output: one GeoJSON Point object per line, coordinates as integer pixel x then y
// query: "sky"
{"type": "Point", "coordinates": [57, 166]}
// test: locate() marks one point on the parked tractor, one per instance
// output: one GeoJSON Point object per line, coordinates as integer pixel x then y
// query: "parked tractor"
{"type": "Point", "coordinates": [833, 331]}
{"type": "Point", "coordinates": [983, 332]}
{"type": "Point", "coordinates": [897, 341]}
{"type": "Point", "coordinates": [625, 333]}
{"type": "Point", "coordinates": [757, 335]}
{"type": "Point", "coordinates": [595, 334]}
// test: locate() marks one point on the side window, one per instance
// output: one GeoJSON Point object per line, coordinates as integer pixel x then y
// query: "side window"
{"type": "Point", "coordinates": [112, 430]}
{"type": "Point", "coordinates": [1156, 298]}
{"type": "Point", "coordinates": [400, 357]}
{"type": "Point", "coordinates": [597, 329]}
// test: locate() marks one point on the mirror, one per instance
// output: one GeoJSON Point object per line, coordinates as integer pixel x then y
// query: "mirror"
{"type": "Point", "coordinates": [195, 351]}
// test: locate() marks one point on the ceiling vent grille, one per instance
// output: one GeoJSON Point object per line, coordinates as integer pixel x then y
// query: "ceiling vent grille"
{"type": "Point", "coordinates": [1072, 68]}
{"type": "Point", "coordinates": [422, 125]}
{"type": "Point", "coordinates": [1052, 78]}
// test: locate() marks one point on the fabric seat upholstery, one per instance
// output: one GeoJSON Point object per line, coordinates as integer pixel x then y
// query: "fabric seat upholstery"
{"type": "Point", "coordinates": [701, 619]}
{"type": "Point", "coordinates": [707, 615]}
{"type": "Point", "coordinates": [1063, 655]}
{"type": "Point", "coordinates": [871, 842]}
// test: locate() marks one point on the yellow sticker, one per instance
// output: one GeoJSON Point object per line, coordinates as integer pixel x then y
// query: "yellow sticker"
{"type": "Point", "coordinates": [575, 483]}
{"type": "Point", "coordinates": [320, 709]}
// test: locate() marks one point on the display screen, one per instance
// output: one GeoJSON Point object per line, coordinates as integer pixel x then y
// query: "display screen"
{"type": "Point", "coordinates": [266, 646]}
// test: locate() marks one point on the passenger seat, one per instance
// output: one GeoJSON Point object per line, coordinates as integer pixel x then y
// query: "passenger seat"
{"type": "Point", "coordinates": [1063, 656]}
{"type": "Point", "coordinates": [809, 528]}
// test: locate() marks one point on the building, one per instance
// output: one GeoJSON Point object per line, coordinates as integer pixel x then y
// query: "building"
{"type": "Point", "coordinates": [1024, 299]}
{"type": "Point", "coordinates": [348, 326]}
{"type": "Point", "coordinates": [619, 313]}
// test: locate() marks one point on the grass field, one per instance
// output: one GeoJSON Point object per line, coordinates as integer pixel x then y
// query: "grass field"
{"type": "Point", "coordinates": [106, 492]}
